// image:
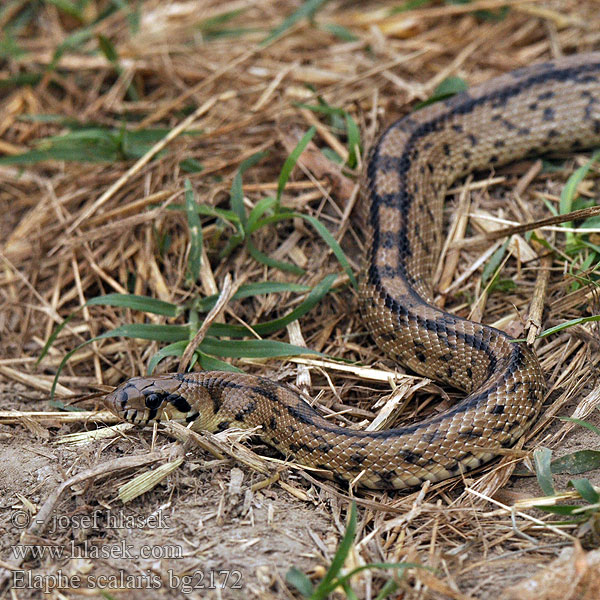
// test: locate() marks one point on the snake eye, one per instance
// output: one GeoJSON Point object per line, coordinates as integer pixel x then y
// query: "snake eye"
{"type": "Point", "coordinates": [153, 401]}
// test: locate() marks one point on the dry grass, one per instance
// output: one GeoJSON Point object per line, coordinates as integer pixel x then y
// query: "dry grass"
{"type": "Point", "coordinates": [220, 89]}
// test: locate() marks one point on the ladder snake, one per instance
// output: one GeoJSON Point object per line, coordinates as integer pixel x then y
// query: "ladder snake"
{"type": "Point", "coordinates": [531, 111]}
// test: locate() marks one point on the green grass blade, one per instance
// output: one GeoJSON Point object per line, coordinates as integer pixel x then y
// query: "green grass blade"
{"type": "Point", "coordinates": [261, 257]}
{"type": "Point", "coordinates": [195, 229]}
{"type": "Point", "coordinates": [388, 588]}
{"type": "Point", "coordinates": [409, 5]}
{"type": "Point", "coordinates": [340, 32]}
{"type": "Point", "coordinates": [234, 241]}
{"type": "Point", "coordinates": [219, 213]}
{"type": "Point", "coordinates": [291, 160]}
{"type": "Point", "coordinates": [494, 263]}
{"type": "Point", "coordinates": [281, 215]}
{"type": "Point", "coordinates": [252, 289]}
{"type": "Point", "coordinates": [323, 108]}
{"type": "Point", "coordinates": [269, 287]}
{"type": "Point", "coordinates": [315, 296]}
{"type": "Point", "coordinates": [94, 150]}
{"type": "Point", "coordinates": [321, 230]}
{"type": "Point", "coordinates": [135, 302]}
{"type": "Point", "coordinates": [332, 243]}
{"type": "Point", "coordinates": [583, 423]}
{"type": "Point", "coordinates": [586, 490]}
{"type": "Point", "coordinates": [542, 458]}
{"type": "Point", "coordinates": [300, 581]}
{"type": "Point", "coordinates": [333, 156]}
{"type": "Point", "coordinates": [401, 566]}
{"type": "Point", "coordinates": [54, 335]}
{"type": "Point", "coordinates": [568, 324]}
{"type": "Point", "coordinates": [91, 144]}
{"type": "Point", "coordinates": [231, 330]}
{"type": "Point", "coordinates": [447, 88]}
{"type": "Point", "coordinates": [72, 42]}
{"type": "Point", "coordinates": [220, 19]}
{"type": "Point", "coordinates": [20, 80]}
{"type": "Point", "coordinates": [568, 194]}
{"type": "Point", "coordinates": [148, 331]}
{"type": "Point", "coordinates": [325, 587]}
{"type": "Point", "coordinates": [559, 509]}
{"type": "Point", "coordinates": [191, 165]}
{"type": "Point", "coordinates": [9, 47]}
{"type": "Point", "coordinates": [237, 200]}
{"type": "Point", "coordinates": [210, 363]}
{"type": "Point", "coordinates": [306, 11]}
{"type": "Point", "coordinates": [350, 595]}
{"type": "Point", "coordinates": [261, 207]}
{"type": "Point", "coordinates": [176, 349]}
{"type": "Point", "coordinates": [131, 301]}
{"type": "Point", "coordinates": [110, 52]}
{"type": "Point", "coordinates": [252, 348]}
{"type": "Point", "coordinates": [237, 192]}
{"type": "Point", "coordinates": [353, 133]}
{"type": "Point", "coordinates": [575, 463]}
{"type": "Point", "coordinates": [68, 7]}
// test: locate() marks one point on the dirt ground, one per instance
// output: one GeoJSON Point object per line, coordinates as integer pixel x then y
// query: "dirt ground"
{"type": "Point", "coordinates": [201, 535]}
{"type": "Point", "coordinates": [203, 524]}
{"type": "Point", "coordinates": [203, 527]}
{"type": "Point", "coordinates": [229, 524]}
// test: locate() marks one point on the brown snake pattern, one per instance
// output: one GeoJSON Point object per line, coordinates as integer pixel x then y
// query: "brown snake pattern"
{"type": "Point", "coordinates": [550, 106]}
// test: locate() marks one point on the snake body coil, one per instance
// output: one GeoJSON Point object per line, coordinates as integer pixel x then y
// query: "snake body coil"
{"type": "Point", "coordinates": [550, 106]}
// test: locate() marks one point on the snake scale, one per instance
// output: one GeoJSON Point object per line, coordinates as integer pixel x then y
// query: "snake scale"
{"type": "Point", "coordinates": [545, 107]}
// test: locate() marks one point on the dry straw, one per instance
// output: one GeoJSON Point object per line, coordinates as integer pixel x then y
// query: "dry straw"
{"type": "Point", "coordinates": [132, 105]}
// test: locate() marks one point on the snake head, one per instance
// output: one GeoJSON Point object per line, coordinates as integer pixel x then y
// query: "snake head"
{"type": "Point", "coordinates": [146, 400]}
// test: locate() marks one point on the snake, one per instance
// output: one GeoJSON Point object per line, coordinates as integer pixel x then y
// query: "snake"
{"type": "Point", "coordinates": [546, 107]}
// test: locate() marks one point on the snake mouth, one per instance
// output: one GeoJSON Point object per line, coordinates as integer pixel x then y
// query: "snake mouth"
{"type": "Point", "coordinates": [143, 401]}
